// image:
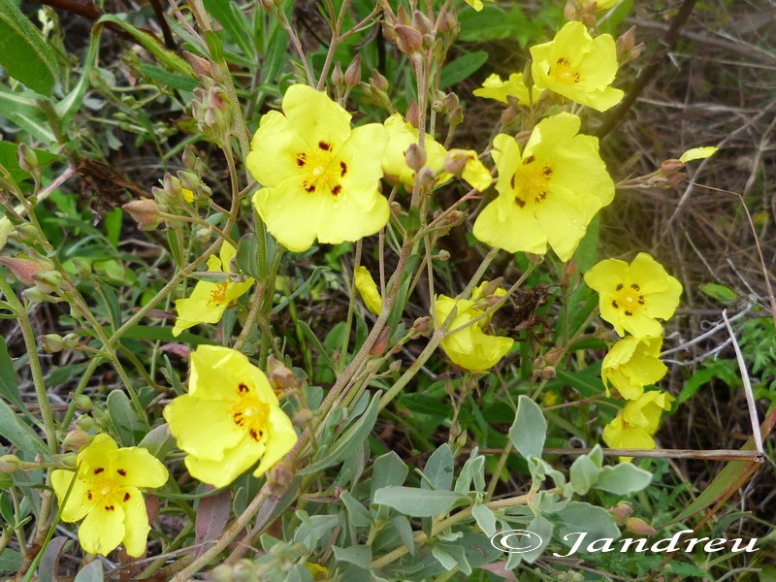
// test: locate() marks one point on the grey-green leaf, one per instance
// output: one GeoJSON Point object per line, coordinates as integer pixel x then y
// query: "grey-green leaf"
{"type": "Point", "coordinates": [623, 479]}
{"type": "Point", "coordinates": [358, 514]}
{"type": "Point", "coordinates": [580, 517]}
{"type": "Point", "coordinates": [529, 430]}
{"type": "Point", "coordinates": [24, 52]}
{"type": "Point", "coordinates": [361, 556]}
{"type": "Point", "coordinates": [485, 518]}
{"type": "Point", "coordinates": [439, 470]}
{"type": "Point", "coordinates": [583, 474]}
{"type": "Point", "coordinates": [130, 428]}
{"type": "Point", "coordinates": [16, 431]}
{"type": "Point", "coordinates": [416, 502]}
{"type": "Point", "coordinates": [388, 469]}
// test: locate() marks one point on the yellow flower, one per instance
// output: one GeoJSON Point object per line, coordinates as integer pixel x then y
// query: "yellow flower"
{"type": "Point", "coordinates": [495, 88]}
{"type": "Point", "coordinates": [105, 494]}
{"type": "Point", "coordinates": [605, 4]}
{"type": "Point", "coordinates": [320, 178]}
{"type": "Point", "coordinates": [631, 297]}
{"type": "Point", "coordinates": [471, 348]}
{"type": "Point", "coordinates": [631, 364]}
{"type": "Point", "coordinates": [367, 288]}
{"type": "Point", "coordinates": [477, 4]}
{"type": "Point", "coordinates": [698, 153]}
{"type": "Point", "coordinates": [549, 193]}
{"type": "Point", "coordinates": [188, 195]}
{"type": "Point", "coordinates": [209, 300]}
{"type": "Point", "coordinates": [402, 134]}
{"type": "Point", "coordinates": [578, 67]}
{"type": "Point", "coordinates": [635, 424]}
{"type": "Point", "coordinates": [229, 419]}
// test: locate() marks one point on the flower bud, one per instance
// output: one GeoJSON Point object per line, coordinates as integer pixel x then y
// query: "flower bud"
{"type": "Point", "coordinates": [548, 373]}
{"type": "Point", "coordinates": [85, 422]}
{"type": "Point", "coordinates": [203, 234]}
{"type": "Point", "coordinates": [415, 157]}
{"type": "Point", "coordinates": [82, 402]}
{"type": "Point", "coordinates": [381, 344]}
{"type": "Point", "coordinates": [671, 168]}
{"type": "Point", "coordinates": [280, 477]}
{"type": "Point", "coordinates": [448, 24]}
{"type": "Point", "coordinates": [75, 440]}
{"type": "Point", "coordinates": [302, 417]}
{"type": "Point", "coordinates": [145, 212]}
{"type": "Point", "coordinates": [213, 111]}
{"type": "Point", "coordinates": [51, 343]}
{"type": "Point", "coordinates": [639, 527]}
{"type": "Point", "coordinates": [413, 114]}
{"type": "Point", "coordinates": [389, 31]}
{"type": "Point", "coordinates": [554, 356]}
{"type": "Point", "coordinates": [353, 72]}
{"type": "Point", "coordinates": [22, 269]}
{"type": "Point", "coordinates": [621, 511]}
{"type": "Point", "coordinates": [28, 159]}
{"type": "Point", "coordinates": [442, 255]}
{"type": "Point", "coordinates": [422, 23]}
{"type": "Point", "coordinates": [408, 39]}
{"type": "Point", "coordinates": [337, 76]}
{"type": "Point", "coordinates": [244, 571]}
{"type": "Point", "coordinates": [280, 377]}
{"type": "Point", "coordinates": [10, 463]}
{"type": "Point", "coordinates": [69, 460]}
{"type": "Point", "coordinates": [425, 178]}
{"type": "Point", "coordinates": [378, 81]}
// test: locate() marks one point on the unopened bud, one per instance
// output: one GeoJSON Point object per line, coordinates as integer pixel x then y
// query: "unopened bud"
{"type": "Point", "coordinates": [413, 113]}
{"type": "Point", "coordinates": [621, 511]}
{"type": "Point", "coordinates": [425, 178]}
{"type": "Point", "coordinates": [51, 343]}
{"type": "Point", "coordinates": [28, 159]}
{"type": "Point", "coordinates": [244, 571]}
{"type": "Point", "coordinates": [22, 269]}
{"type": "Point", "coordinates": [213, 111]}
{"type": "Point", "coordinates": [422, 23]}
{"type": "Point", "coordinates": [337, 76]}
{"type": "Point", "coordinates": [145, 212]}
{"type": "Point", "coordinates": [381, 344]}
{"type": "Point", "coordinates": [639, 527]}
{"type": "Point", "coordinates": [83, 402]}
{"type": "Point", "coordinates": [422, 325]}
{"type": "Point", "coordinates": [378, 81]}
{"type": "Point", "coordinates": [448, 24]}
{"type": "Point", "coordinates": [415, 157]}
{"type": "Point", "coordinates": [302, 417]}
{"type": "Point", "coordinates": [83, 270]}
{"type": "Point", "coordinates": [389, 31]}
{"type": "Point", "coordinates": [548, 373]}
{"type": "Point", "coordinates": [280, 377]}
{"type": "Point", "coordinates": [280, 477]}
{"type": "Point", "coordinates": [75, 440]}
{"type": "Point", "coordinates": [69, 460]}
{"type": "Point", "coordinates": [508, 115]}
{"type": "Point", "coordinates": [454, 164]}
{"type": "Point", "coordinates": [553, 356]}
{"type": "Point", "coordinates": [353, 72]}
{"type": "Point", "coordinates": [455, 118]}
{"type": "Point", "coordinates": [408, 39]}
{"type": "Point", "coordinates": [203, 234]}
{"type": "Point", "coordinates": [442, 255]}
{"type": "Point", "coordinates": [10, 463]}
{"type": "Point", "coordinates": [671, 168]}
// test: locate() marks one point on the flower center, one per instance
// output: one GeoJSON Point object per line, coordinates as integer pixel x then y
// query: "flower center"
{"type": "Point", "coordinates": [628, 299]}
{"type": "Point", "coordinates": [218, 295]}
{"type": "Point", "coordinates": [321, 170]}
{"type": "Point", "coordinates": [250, 413]}
{"type": "Point", "coordinates": [104, 490]}
{"type": "Point", "coordinates": [531, 182]}
{"type": "Point", "coordinates": [563, 72]}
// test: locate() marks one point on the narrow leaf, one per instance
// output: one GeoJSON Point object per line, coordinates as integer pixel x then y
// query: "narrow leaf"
{"type": "Point", "coordinates": [416, 502]}
{"type": "Point", "coordinates": [24, 52]}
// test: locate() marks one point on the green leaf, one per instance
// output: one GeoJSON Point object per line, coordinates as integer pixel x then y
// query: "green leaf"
{"type": "Point", "coordinates": [10, 561]}
{"type": "Point", "coordinates": [439, 470]}
{"type": "Point", "coordinates": [17, 432]}
{"type": "Point", "coordinates": [166, 78]}
{"type": "Point", "coordinates": [24, 52]}
{"type": "Point", "coordinates": [529, 430]}
{"type": "Point", "coordinates": [25, 112]}
{"type": "Point", "coordinates": [350, 440]}
{"type": "Point", "coordinates": [403, 527]}
{"type": "Point", "coordinates": [623, 479]}
{"type": "Point", "coordinates": [583, 474]}
{"type": "Point", "coordinates": [92, 572]}
{"type": "Point", "coordinates": [462, 68]}
{"type": "Point", "coordinates": [490, 23]}
{"type": "Point", "coordinates": [130, 428]}
{"type": "Point", "coordinates": [485, 518]}
{"type": "Point", "coordinates": [580, 517]}
{"type": "Point", "coordinates": [415, 502]}
{"type": "Point", "coordinates": [234, 22]}
{"type": "Point", "coordinates": [9, 388]}
{"type": "Point", "coordinates": [719, 292]}
{"type": "Point", "coordinates": [361, 556]}
{"type": "Point", "coordinates": [358, 514]}
{"type": "Point", "coordinates": [473, 470]}
{"type": "Point", "coordinates": [388, 469]}
{"type": "Point", "coordinates": [8, 159]}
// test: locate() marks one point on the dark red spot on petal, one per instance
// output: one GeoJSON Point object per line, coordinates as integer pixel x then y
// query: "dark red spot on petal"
{"type": "Point", "coordinates": [619, 286]}
{"type": "Point", "coordinates": [336, 190]}
{"type": "Point", "coordinates": [562, 61]}
{"type": "Point", "coordinates": [628, 313]}
{"type": "Point", "coordinates": [309, 188]}
{"type": "Point", "coordinates": [512, 181]}
{"type": "Point", "coordinates": [110, 508]}
{"type": "Point", "coordinates": [242, 388]}
{"type": "Point", "coordinates": [324, 145]}
{"type": "Point", "coordinates": [547, 171]}
{"type": "Point", "coordinates": [121, 472]}
{"type": "Point", "coordinates": [635, 287]}
{"type": "Point", "coordinates": [301, 159]}
{"type": "Point", "coordinates": [529, 160]}
{"type": "Point", "coordinates": [641, 300]}
{"type": "Point", "coordinates": [343, 169]}
{"type": "Point", "coordinates": [519, 201]}
{"type": "Point", "coordinates": [99, 470]}
{"type": "Point", "coordinates": [89, 494]}
{"type": "Point", "coordinates": [126, 497]}
{"type": "Point", "coordinates": [614, 304]}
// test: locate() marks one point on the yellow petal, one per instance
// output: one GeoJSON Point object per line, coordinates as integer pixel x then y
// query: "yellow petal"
{"type": "Point", "coordinates": [203, 428]}
{"type": "Point", "coordinates": [272, 159]}
{"type": "Point", "coordinates": [223, 471]}
{"type": "Point", "coordinates": [281, 439]}
{"type": "Point", "coordinates": [632, 364]}
{"type": "Point", "coordinates": [367, 288]}
{"type": "Point", "coordinates": [78, 504]}
{"type": "Point", "coordinates": [315, 116]}
{"type": "Point", "coordinates": [136, 467]}
{"type": "Point", "coordinates": [136, 526]}
{"type": "Point", "coordinates": [103, 529]}
{"type": "Point", "coordinates": [698, 154]}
